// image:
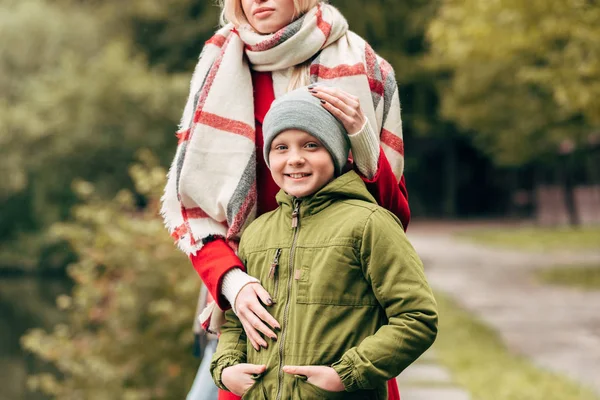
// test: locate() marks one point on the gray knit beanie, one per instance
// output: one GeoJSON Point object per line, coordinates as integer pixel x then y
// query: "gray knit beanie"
{"type": "Point", "coordinates": [301, 110]}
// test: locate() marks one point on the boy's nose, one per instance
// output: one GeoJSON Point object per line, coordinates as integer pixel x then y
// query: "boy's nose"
{"type": "Point", "coordinates": [295, 159]}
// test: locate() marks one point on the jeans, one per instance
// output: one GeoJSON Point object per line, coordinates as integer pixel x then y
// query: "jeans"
{"type": "Point", "coordinates": [203, 387]}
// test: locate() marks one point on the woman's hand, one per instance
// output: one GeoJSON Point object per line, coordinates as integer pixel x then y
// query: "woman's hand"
{"type": "Point", "coordinates": [238, 378]}
{"type": "Point", "coordinates": [344, 106]}
{"type": "Point", "coordinates": [253, 315]}
{"type": "Point", "coordinates": [318, 375]}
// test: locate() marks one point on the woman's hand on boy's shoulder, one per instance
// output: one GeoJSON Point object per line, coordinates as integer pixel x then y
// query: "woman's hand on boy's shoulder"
{"type": "Point", "coordinates": [318, 375]}
{"type": "Point", "coordinates": [240, 377]}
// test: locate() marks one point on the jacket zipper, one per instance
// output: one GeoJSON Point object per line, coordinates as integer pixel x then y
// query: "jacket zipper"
{"type": "Point", "coordinates": [274, 275]}
{"type": "Point", "coordinates": [295, 221]}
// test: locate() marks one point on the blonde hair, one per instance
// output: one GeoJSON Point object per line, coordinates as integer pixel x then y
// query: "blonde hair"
{"type": "Point", "coordinates": [232, 11]}
{"type": "Point", "coordinates": [300, 75]}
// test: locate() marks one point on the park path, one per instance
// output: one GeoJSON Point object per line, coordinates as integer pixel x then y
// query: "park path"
{"type": "Point", "coordinates": [557, 328]}
{"type": "Point", "coordinates": [426, 379]}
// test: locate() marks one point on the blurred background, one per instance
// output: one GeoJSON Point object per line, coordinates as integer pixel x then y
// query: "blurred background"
{"type": "Point", "coordinates": [501, 111]}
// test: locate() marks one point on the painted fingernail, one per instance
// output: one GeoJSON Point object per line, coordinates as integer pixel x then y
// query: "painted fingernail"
{"type": "Point", "coordinates": [311, 86]}
{"type": "Point", "coordinates": [313, 91]}
{"type": "Point", "coordinates": [274, 338]}
{"type": "Point", "coordinates": [322, 101]}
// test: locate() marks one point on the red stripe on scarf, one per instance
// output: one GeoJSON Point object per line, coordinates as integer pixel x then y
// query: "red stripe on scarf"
{"type": "Point", "coordinates": [179, 232]}
{"type": "Point", "coordinates": [182, 136]}
{"type": "Point", "coordinates": [376, 86]}
{"type": "Point", "coordinates": [217, 40]}
{"type": "Point", "coordinates": [186, 223]}
{"type": "Point", "coordinates": [340, 71]}
{"type": "Point", "coordinates": [209, 80]}
{"type": "Point", "coordinates": [196, 212]}
{"type": "Point", "coordinates": [267, 44]}
{"type": "Point", "coordinates": [386, 69]}
{"type": "Point", "coordinates": [191, 213]}
{"type": "Point", "coordinates": [371, 60]}
{"type": "Point", "coordinates": [323, 25]}
{"type": "Point", "coordinates": [393, 141]}
{"type": "Point", "coordinates": [226, 124]}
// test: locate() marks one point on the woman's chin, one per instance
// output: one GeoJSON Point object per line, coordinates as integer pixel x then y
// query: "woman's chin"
{"type": "Point", "coordinates": [267, 28]}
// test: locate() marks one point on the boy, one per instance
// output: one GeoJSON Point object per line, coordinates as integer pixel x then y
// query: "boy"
{"type": "Point", "coordinates": [346, 285]}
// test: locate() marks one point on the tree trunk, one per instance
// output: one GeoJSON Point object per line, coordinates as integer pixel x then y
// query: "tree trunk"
{"type": "Point", "coordinates": [451, 186]}
{"type": "Point", "coordinates": [568, 186]}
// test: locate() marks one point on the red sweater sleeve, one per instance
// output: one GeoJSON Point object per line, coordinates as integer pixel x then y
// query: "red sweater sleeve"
{"type": "Point", "coordinates": [212, 262]}
{"type": "Point", "coordinates": [389, 194]}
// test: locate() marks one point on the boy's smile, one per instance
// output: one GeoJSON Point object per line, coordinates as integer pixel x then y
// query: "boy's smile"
{"type": "Point", "coordinates": [300, 164]}
{"type": "Point", "coordinates": [298, 176]}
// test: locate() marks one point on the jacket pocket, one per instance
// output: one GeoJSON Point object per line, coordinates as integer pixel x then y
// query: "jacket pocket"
{"type": "Point", "coordinates": [304, 390]}
{"type": "Point", "coordinates": [265, 265]}
{"type": "Point", "coordinates": [274, 274]}
{"type": "Point", "coordinates": [332, 276]}
{"type": "Point", "coordinates": [255, 392]}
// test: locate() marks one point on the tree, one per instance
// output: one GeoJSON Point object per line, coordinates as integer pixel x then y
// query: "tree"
{"type": "Point", "coordinates": [128, 329]}
{"type": "Point", "coordinates": [524, 76]}
{"type": "Point", "coordinates": [75, 101]}
{"type": "Point", "coordinates": [170, 34]}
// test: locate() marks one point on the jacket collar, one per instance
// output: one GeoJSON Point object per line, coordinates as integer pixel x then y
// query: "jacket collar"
{"type": "Point", "coordinates": [345, 187]}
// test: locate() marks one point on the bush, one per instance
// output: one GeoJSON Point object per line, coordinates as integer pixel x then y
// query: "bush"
{"type": "Point", "coordinates": [128, 334]}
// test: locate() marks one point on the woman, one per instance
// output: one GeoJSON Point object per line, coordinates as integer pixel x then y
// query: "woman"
{"type": "Point", "coordinates": [219, 181]}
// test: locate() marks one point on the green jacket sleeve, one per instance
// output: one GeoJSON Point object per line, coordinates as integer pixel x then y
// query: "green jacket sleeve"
{"type": "Point", "coordinates": [396, 274]}
{"type": "Point", "coordinates": [232, 347]}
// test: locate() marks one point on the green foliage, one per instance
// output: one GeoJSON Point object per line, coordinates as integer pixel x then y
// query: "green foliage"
{"type": "Point", "coordinates": [38, 35]}
{"type": "Point", "coordinates": [128, 328]}
{"type": "Point", "coordinates": [75, 102]}
{"type": "Point", "coordinates": [396, 30]}
{"type": "Point", "coordinates": [169, 33]}
{"type": "Point", "coordinates": [524, 75]}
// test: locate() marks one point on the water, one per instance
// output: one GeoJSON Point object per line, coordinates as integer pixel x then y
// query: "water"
{"type": "Point", "coordinates": [25, 303]}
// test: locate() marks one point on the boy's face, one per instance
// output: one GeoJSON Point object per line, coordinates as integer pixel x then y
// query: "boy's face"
{"type": "Point", "coordinates": [300, 164]}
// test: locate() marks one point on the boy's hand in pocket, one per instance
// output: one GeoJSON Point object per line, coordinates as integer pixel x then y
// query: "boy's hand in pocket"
{"type": "Point", "coordinates": [238, 378]}
{"type": "Point", "coordinates": [318, 375]}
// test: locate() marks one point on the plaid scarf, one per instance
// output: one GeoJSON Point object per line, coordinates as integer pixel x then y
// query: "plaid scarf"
{"type": "Point", "coordinates": [211, 186]}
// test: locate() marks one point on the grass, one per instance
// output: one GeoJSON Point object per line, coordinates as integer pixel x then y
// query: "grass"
{"type": "Point", "coordinates": [581, 277]}
{"type": "Point", "coordinates": [481, 364]}
{"type": "Point", "coordinates": [537, 238]}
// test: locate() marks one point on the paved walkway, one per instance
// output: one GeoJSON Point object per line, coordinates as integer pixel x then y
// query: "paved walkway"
{"type": "Point", "coordinates": [557, 328]}
{"type": "Point", "coordinates": [426, 379]}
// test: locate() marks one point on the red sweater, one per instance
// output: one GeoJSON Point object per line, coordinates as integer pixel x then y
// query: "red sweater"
{"type": "Point", "coordinates": [216, 258]}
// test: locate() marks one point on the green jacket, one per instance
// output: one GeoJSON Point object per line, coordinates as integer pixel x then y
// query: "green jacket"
{"type": "Point", "coordinates": [349, 292]}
